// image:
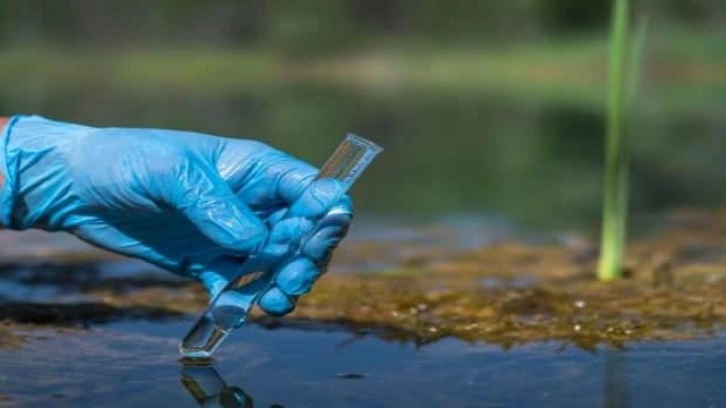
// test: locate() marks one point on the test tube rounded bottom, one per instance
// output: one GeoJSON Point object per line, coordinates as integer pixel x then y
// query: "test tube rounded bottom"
{"type": "Point", "coordinates": [203, 339]}
{"type": "Point", "coordinates": [215, 324]}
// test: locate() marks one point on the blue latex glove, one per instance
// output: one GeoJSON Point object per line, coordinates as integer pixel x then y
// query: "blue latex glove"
{"type": "Point", "coordinates": [193, 204]}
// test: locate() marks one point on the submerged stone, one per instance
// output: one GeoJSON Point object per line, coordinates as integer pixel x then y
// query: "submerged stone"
{"type": "Point", "coordinates": [351, 376]}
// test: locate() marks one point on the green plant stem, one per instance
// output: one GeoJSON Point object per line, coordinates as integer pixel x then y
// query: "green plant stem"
{"type": "Point", "coordinates": [637, 54]}
{"type": "Point", "coordinates": [616, 152]}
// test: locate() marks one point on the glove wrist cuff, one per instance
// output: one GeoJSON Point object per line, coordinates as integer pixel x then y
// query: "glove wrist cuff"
{"type": "Point", "coordinates": [9, 171]}
{"type": "Point", "coordinates": [34, 154]}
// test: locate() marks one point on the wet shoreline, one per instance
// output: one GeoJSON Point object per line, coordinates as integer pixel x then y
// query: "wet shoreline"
{"type": "Point", "coordinates": [503, 293]}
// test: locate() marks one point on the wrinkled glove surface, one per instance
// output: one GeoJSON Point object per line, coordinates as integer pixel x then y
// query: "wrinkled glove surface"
{"type": "Point", "coordinates": [193, 204]}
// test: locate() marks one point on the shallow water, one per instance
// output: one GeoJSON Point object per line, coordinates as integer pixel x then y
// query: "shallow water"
{"type": "Point", "coordinates": [134, 364]}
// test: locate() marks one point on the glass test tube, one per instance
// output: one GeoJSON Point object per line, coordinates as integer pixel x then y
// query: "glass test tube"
{"type": "Point", "coordinates": [229, 309]}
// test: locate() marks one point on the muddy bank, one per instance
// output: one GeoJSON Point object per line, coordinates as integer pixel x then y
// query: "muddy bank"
{"type": "Point", "coordinates": [9, 339]}
{"type": "Point", "coordinates": [506, 294]}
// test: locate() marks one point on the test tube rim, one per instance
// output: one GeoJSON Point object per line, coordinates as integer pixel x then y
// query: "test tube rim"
{"type": "Point", "coordinates": [369, 145]}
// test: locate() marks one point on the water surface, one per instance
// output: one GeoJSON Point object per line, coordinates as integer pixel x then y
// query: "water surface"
{"type": "Point", "coordinates": [134, 364]}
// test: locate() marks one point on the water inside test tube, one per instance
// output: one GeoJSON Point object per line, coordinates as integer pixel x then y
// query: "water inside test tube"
{"type": "Point", "coordinates": [204, 337]}
{"type": "Point", "coordinates": [229, 311]}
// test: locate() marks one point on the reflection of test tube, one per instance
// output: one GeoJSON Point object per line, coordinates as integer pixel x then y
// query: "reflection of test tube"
{"type": "Point", "coordinates": [229, 309]}
{"type": "Point", "coordinates": [210, 390]}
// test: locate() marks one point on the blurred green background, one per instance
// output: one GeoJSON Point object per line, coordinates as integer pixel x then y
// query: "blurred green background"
{"type": "Point", "coordinates": [484, 107]}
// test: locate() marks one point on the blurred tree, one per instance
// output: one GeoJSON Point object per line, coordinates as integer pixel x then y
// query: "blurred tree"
{"type": "Point", "coordinates": [310, 27]}
{"type": "Point", "coordinates": [317, 26]}
{"type": "Point", "coordinates": [574, 15]}
{"type": "Point", "coordinates": [387, 16]}
{"type": "Point", "coordinates": [463, 19]}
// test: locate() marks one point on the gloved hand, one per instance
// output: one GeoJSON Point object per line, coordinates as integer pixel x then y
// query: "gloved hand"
{"type": "Point", "coordinates": [193, 204]}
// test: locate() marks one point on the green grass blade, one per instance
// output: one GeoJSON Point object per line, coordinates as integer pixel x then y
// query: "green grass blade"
{"type": "Point", "coordinates": [637, 54]}
{"type": "Point", "coordinates": [634, 79]}
{"type": "Point", "coordinates": [615, 199]}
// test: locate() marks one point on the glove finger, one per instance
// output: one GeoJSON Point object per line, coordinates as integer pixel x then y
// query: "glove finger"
{"type": "Point", "coordinates": [295, 184]}
{"type": "Point", "coordinates": [318, 198]}
{"type": "Point", "coordinates": [291, 176]}
{"type": "Point", "coordinates": [297, 277]}
{"type": "Point", "coordinates": [204, 197]}
{"type": "Point", "coordinates": [291, 281]}
{"type": "Point", "coordinates": [276, 303]}
{"type": "Point", "coordinates": [321, 245]}
{"type": "Point", "coordinates": [292, 228]}
{"type": "Point", "coordinates": [331, 230]}
{"type": "Point", "coordinates": [341, 214]}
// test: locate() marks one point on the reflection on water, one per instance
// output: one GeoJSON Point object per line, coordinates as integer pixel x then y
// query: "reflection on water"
{"type": "Point", "coordinates": [616, 381]}
{"type": "Point", "coordinates": [209, 389]}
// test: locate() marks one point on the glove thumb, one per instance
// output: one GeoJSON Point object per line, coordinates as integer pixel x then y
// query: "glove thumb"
{"type": "Point", "coordinates": [208, 202]}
